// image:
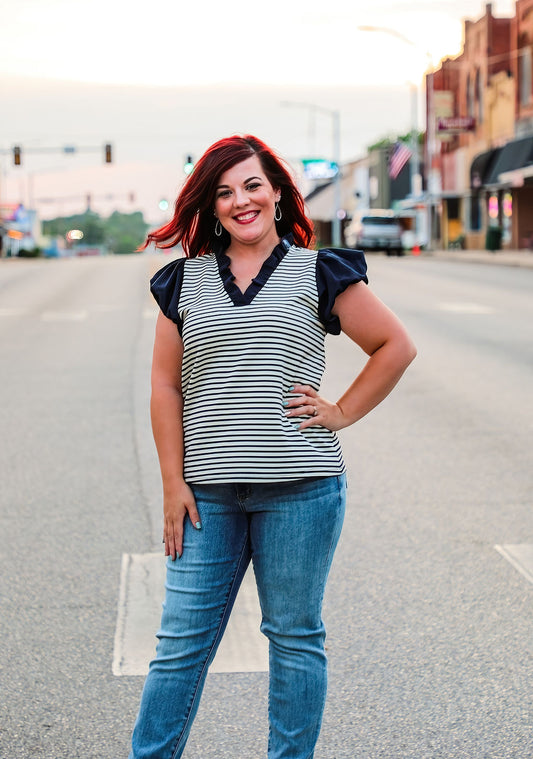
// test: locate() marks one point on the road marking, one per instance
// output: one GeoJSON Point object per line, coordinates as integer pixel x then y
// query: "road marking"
{"type": "Point", "coordinates": [520, 555]}
{"type": "Point", "coordinates": [63, 316]}
{"type": "Point", "coordinates": [105, 308]}
{"type": "Point", "coordinates": [466, 308]}
{"type": "Point", "coordinates": [12, 311]}
{"type": "Point", "coordinates": [142, 587]}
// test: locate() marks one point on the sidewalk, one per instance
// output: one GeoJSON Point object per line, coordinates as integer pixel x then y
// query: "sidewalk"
{"type": "Point", "coordinates": [521, 258]}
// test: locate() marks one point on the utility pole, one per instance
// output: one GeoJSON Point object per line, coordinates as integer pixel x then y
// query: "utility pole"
{"type": "Point", "coordinates": [336, 211]}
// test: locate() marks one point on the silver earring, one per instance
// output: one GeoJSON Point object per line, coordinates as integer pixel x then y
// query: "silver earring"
{"type": "Point", "coordinates": [277, 213]}
{"type": "Point", "coordinates": [218, 228]}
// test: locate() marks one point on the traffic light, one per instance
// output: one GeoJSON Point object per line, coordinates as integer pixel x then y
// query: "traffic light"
{"type": "Point", "coordinates": [108, 153]}
{"type": "Point", "coordinates": [17, 155]}
{"type": "Point", "coordinates": [188, 166]}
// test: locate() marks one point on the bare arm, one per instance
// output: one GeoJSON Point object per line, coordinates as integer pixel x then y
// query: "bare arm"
{"type": "Point", "coordinates": [166, 409]}
{"type": "Point", "coordinates": [369, 323]}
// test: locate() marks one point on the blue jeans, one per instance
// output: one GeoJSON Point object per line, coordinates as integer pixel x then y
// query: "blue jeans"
{"type": "Point", "coordinates": [289, 531]}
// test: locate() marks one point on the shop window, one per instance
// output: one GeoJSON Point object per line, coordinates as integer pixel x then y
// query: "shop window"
{"type": "Point", "coordinates": [475, 213]}
{"type": "Point", "coordinates": [507, 207]}
{"type": "Point", "coordinates": [453, 208]}
{"type": "Point", "coordinates": [493, 207]}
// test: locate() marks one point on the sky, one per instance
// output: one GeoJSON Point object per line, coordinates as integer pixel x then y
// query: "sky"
{"type": "Point", "coordinates": [164, 79]}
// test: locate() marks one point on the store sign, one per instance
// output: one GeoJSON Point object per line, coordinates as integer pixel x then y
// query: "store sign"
{"type": "Point", "coordinates": [455, 124]}
{"type": "Point", "coordinates": [318, 168]}
{"type": "Point", "coordinates": [443, 108]}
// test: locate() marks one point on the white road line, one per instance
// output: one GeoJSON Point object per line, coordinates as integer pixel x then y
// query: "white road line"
{"type": "Point", "coordinates": [12, 311]}
{"type": "Point", "coordinates": [142, 580]}
{"type": "Point", "coordinates": [520, 555]}
{"type": "Point", "coordinates": [466, 308]}
{"type": "Point", "coordinates": [106, 308]}
{"type": "Point", "coordinates": [63, 316]}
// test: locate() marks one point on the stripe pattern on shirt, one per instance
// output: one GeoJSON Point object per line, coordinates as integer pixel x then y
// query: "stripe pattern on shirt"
{"type": "Point", "coordinates": [239, 363]}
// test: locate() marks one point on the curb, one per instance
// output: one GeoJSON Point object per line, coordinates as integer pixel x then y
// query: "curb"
{"type": "Point", "coordinates": [517, 258]}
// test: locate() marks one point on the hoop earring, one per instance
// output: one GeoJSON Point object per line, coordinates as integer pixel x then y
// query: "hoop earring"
{"type": "Point", "coordinates": [277, 213]}
{"type": "Point", "coordinates": [218, 228]}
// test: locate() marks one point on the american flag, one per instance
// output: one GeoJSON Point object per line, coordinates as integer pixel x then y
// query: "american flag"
{"type": "Point", "coordinates": [399, 156]}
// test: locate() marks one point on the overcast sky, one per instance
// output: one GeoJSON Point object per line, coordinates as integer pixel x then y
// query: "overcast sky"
{"type": "Point", "coordinates": [168, 77]}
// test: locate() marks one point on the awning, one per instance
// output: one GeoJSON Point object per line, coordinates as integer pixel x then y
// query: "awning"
{"type": "Point", "coordinates": [482, 167]}
{"type": "Point", "coordinates": [517, 177]}
{"type": "Point", "coordinates": [517, 154]}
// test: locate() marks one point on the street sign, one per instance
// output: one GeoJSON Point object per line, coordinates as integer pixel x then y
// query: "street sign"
{"type": "Point", "coordinates": [456, 124]}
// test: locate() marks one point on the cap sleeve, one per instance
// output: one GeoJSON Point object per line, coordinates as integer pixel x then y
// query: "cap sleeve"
{"type": "Point", "coordinates": [336, 269]}
{"type": "Point", "coordinates": [165, 286]}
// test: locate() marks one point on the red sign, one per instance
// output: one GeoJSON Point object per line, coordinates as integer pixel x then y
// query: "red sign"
{"type": "Point", "coordinates": [456, 124]}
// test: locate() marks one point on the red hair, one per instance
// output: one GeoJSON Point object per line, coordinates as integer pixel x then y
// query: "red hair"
{"type": "Point", "coordinates": [193, 222]}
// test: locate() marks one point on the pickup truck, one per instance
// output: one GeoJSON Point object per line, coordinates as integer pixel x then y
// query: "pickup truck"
{"type": "Point", "coordinates": [379, 231]}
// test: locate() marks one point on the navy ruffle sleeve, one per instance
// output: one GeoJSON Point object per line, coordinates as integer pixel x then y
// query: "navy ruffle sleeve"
{"type": "Point", "coordinates": [165, 286]}
{"type": "Point", "coordinates": [336, 269]}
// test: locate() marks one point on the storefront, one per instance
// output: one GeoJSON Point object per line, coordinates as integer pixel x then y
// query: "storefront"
{"type": "Point", "coordinates": [509, 193]}
{"type": "Point", "coordinates": [479, 210]}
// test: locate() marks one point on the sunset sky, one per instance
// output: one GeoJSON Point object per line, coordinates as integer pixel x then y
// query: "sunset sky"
{"type": "Point", "coordinates": [166, 78]}
{"type": "Point", "coordinates": [168, 42]}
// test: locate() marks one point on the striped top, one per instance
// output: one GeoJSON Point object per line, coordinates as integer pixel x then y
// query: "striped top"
{"type": "Point", "coordinates": [243, 352]}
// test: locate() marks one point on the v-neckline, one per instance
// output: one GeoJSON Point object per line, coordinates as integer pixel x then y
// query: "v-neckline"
{"type": "Point", "coordinates": [269, 265]}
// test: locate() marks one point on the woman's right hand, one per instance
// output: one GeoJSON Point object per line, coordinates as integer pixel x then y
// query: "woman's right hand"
{"type": "Point", "coordinates": [178, 503]}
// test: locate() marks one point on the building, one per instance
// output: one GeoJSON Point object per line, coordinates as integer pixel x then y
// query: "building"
{"type": "Point", "coordinates": [354, 196]}
{"type": "Point", "coordinates": [366, 184]}
{"type": "Point", "coordinates": [480, 135]}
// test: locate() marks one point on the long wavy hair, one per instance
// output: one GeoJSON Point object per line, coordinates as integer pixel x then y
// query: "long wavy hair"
{"type": "Point", "coordinates": [193, 222]}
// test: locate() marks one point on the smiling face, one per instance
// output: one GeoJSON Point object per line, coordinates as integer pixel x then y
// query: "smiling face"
{"type": "Point", "coordinates": [245, 204]}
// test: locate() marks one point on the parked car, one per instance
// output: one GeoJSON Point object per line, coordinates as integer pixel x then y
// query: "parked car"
{"type": "Point", "coordinates": [378, 230]}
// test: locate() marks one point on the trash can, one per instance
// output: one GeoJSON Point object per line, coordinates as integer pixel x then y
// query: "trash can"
{"type": "Point", "coordinates": [494, 238]}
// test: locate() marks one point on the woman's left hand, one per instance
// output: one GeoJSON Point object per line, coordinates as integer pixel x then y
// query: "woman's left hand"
{"type": "Point", "coordinates": [321, 412]}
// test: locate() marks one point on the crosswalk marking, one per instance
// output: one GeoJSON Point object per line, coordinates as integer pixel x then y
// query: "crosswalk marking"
{"type": "Point", "coordinates": [520, 555]}
{"type": "Point", "coordinates": [73, 316]}
{"type": "Point", "coordinates": [466, 308]}
{"type": "Point", "coordinates": [243, 647]}
{"type": "Point", "coordinates": [63, 316]}
{"type": "Point", "coordinates": [6, 311]}
{"type": "Point", "coordinates": [106, 308]}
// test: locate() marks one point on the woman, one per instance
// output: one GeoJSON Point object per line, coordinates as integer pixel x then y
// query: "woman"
{"type": "Point", "coordinates": [250, 462]}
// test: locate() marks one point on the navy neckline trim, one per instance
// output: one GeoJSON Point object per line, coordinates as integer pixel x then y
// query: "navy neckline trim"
{"type": "Point", "coordinates": [238, 297]}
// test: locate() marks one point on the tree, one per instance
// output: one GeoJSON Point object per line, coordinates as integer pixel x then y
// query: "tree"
{"type": "Point", "coordinates": [93, 229]}
{"type": "Point", "coordinates": [120, 233]}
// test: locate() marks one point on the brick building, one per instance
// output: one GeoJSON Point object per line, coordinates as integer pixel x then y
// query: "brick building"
{"type": "Point", "coordinates": [480, 133]}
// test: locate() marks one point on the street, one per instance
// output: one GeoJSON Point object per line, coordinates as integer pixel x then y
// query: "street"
{"type": "Point", "coordinates": [428, 608]}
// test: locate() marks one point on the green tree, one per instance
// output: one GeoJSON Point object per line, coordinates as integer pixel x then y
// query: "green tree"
{"type": "Point", "coordinates": [125, 232]}
{"type": "Point", "coordinates": [121, 233]}
{"type": "Point", "coordinates": [93, 229]}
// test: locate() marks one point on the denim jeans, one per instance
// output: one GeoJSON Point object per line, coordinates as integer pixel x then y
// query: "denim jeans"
{"type": "Point", "coordinates": [289, 531]}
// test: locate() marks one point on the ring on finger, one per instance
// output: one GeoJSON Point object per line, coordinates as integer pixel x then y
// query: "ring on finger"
{"type": "Point", "coordinates": [315, 411]}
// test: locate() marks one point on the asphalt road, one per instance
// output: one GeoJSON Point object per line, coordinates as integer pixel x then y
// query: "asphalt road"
{"type": "Point", "coordinates": [429, 626]}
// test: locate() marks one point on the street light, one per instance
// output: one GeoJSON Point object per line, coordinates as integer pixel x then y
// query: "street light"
{"type": "Point", "coordinates": [336, 122]}
{"type": "Point", "coordinates": [430, 125]}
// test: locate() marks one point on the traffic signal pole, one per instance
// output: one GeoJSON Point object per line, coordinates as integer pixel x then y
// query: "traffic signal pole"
{"type": "Point", "coordinates": [18, 151]}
